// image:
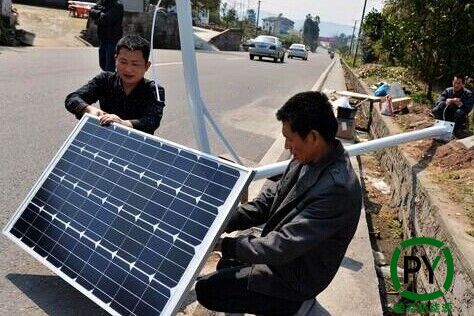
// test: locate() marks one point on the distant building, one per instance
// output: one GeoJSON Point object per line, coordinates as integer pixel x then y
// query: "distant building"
{"type": "Point", "coordinates": [277, 25]}
{"type": "Point", "coordinates": [326, 41]}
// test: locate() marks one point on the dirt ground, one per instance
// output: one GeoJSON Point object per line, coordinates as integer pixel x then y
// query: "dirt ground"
{"type": "Point", "coordinates": [52, 27]}
{"type": "Point", "coordinates": [450, 165]}
{"type": "Point", "coordinates": [384, 227]}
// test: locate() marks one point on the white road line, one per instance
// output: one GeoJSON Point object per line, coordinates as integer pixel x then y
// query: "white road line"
{"type": "Point", "coordinates": [168, 64]}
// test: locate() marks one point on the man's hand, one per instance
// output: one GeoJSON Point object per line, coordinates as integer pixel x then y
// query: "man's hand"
{"type": "Point", "coordinates": [218, 245]}
{"type": "Point", "coordinates": [453, 102]}
{"type": "Point", "coordinates": [457, 101]}
{"type": "Point", "coordinates": [107, 119]}
{"type": "Point", "coordinates": [92, 110]}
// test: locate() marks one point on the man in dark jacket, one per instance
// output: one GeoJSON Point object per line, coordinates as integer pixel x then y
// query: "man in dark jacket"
{"type": "Point", "coordinates": [108, 15]}
{"type": "Point", "coordinates": [454, 105]}
{"type": "Point", "coordinates": [125, 96]}
{"type": "Point", "coordinates": [309, 218]}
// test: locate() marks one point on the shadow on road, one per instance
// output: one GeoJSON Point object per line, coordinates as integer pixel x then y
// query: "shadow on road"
{"type": "Point", "coordinates": [54, 296]}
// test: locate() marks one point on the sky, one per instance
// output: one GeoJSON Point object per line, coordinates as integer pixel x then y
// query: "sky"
{"type": "Point", "coordinates": [337, 11]}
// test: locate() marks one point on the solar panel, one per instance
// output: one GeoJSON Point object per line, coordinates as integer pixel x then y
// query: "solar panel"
{"type": "Point", "coordinates": [127, 218]}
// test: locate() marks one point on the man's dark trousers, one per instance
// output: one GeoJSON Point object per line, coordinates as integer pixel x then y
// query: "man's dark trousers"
{"type": "Point", "coordinates": [226, 290]}
{"type": "Point", "coordinates": [451, 114]}
{"type": "Point", "coordinates": [107, 56]}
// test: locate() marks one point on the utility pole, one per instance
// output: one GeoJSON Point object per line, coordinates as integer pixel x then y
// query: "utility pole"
{"type": "Point", "coordinates": [352, 38]}
{"type": "Point", "coordinates": [360, 31]}
{"type": "Point", "coordinates": [258, 17]}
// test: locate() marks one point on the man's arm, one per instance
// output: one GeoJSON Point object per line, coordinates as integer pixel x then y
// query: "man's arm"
{"type": "Point", "coordinates": [315, 224]}
{"type": "Point", "coordinates": [111, 16]}
{"type": "Point", "coordinates": [153, 113]}
{"type": "Point", "coordinates": [442, 99]}
{"type": "Point", "coordinates": [253, 213]}
{"type": "Point", "coordinates": [95, 11]}
{"type": "Point", "coordinates": [468, 101]}
{"type": "Point", "coordinates": [79, 101]}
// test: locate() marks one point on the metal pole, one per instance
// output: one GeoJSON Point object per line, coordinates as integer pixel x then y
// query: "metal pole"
{"type": "Point", "coordinates": [221, 135]}
{"type": "Point", "coordinates": [358, 36]}
{"type": "Point", "coordinates": [258, 17]}
{"type": "Point", "coordinates": [352, 38]}
{"type": "Point", "coordinates": [441, 130]}
{"type": "Point", "coordinates": [186, 35]}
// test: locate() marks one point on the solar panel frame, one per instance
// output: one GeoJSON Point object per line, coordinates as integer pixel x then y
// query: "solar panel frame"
{"type": "Point", "coordinates": [201, 251]}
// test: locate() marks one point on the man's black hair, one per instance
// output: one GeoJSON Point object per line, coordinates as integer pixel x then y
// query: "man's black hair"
{"type": "Point", "coordinates": [308, 111]}
{"type": "Point", "coordinates": [134, 42]}
{"type": "Point", "coordinates": [460, 76]}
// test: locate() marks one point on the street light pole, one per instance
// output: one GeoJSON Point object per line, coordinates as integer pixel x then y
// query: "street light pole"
{"type": "Point", "coordinates": [358, 36]}
{"type": "Point", "coordinates": [258, 17]}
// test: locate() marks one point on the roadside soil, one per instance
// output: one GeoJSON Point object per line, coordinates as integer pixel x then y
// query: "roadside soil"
{"type": "Point", "coordinates": [450, 165]}
{"type": "Point", "coordinates": [385, 229]}
{"type": "Point", "coordinates": [52, 27]}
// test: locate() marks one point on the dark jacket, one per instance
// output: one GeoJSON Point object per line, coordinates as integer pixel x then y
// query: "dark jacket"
{"type": "Point", "coordinates": [108, 15]}
{"type": "Point", "coordinates": [141, 106]}
{"type": "Point", "coordinates": [309, 223]}
{"type": "Point", "coordinates": [465, 95]}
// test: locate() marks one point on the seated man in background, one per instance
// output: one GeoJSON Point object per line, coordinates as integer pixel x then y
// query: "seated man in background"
{"type": "Point", "coordinates": [125, 96]}
{"type": "Point", "coordinates": [454, 105]}
{"type": "Point", "coordinates": [309, 217]}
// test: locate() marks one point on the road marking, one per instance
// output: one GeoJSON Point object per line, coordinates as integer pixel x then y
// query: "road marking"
{"type": "Point", "coordinates": [168, 64]}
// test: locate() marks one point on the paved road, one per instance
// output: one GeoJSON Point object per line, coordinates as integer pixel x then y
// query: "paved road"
{"type": "Point", "coordinates": [241, 94]}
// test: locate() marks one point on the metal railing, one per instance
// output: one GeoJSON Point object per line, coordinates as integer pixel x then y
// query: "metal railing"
{"type": "Point", "coordinates": [441, 130]}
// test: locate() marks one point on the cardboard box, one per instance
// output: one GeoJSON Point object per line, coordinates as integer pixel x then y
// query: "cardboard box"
{"type": "Point", "coordinates": [345, 128]}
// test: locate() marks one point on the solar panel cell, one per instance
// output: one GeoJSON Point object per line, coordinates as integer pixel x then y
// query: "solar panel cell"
{"type": "Point", "coordinates": [127, 218]}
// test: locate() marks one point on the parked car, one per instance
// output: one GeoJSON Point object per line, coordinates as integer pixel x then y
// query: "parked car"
{"type": "Point", "coordinates": [298, 50]}
{"type": "Point", "coordinates": [267, 46]}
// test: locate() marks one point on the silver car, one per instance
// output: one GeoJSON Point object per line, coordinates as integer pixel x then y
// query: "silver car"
{"type": "Point", "coordinates": [267, 46]}
{"type": "Point", "coordinates": [298, 50]}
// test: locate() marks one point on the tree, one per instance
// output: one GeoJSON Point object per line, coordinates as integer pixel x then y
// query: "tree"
{"type": "Point", "coordinates": [435, 36]}
{"type": "Point", "coordinates": [229, 16]}
{"type": "Point", "coordinates": [372, 32]}
{"type": "Point", "coordinates": [311, 31]}
{"type": "Point", "coordinates": [288, 39]}
{"type": "Point", "coordinates": [341, 44]}
{"type": "Point", "coordinates": [252, 16]}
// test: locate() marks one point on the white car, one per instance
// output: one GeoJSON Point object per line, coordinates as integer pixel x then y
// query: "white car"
{"type": "Point", "coordinates": [267, 46]}
{"type": "Point", "coordinates": [298, 50]}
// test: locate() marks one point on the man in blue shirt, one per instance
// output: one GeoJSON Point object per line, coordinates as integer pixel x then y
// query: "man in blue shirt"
{"type": "Point", "coordinates": [454, 105]}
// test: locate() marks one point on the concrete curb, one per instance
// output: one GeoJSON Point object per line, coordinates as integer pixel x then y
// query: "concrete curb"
{"type": "Point", "coordinates": [322, 79]}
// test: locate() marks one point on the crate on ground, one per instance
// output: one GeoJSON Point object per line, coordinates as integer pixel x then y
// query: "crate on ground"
{"type": "Point", "coordinates": [345, 128]}
{"type": "Point", "coordinates": [398, 103]}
